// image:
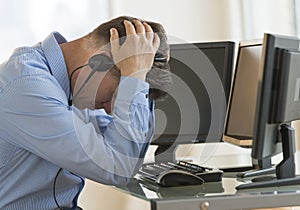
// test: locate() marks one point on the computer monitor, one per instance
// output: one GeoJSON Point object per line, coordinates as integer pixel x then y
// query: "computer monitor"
{"type": "Point", "coordinates": [266, 133]}
{"type": "Point", "coordinates": [195, 108]}
{"type": "Point", "coordinates": [241, 109]}
{"type": "Point", "coordinates": [277, 105]}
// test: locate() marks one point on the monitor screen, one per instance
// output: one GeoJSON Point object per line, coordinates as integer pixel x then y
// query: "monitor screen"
{"type": "Point", "coordinates": [196, 104]}
{"type": "Point", "coordinates": [241, 109]}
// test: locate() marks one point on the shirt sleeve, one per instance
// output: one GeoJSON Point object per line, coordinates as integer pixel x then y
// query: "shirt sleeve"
{"type": "Point", "coordinates": [107, 149]}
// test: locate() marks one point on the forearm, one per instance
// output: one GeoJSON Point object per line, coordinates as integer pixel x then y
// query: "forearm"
{"type": "Point", "coordinates": [131, 128]}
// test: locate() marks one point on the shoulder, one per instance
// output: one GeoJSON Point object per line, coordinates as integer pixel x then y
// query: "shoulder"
{"type": "Point", "coordinates": [26, 68]}
{"type": "Point", "coordinates": [24, 61]}
{"type": "Point", "coordinates": [29, 58]}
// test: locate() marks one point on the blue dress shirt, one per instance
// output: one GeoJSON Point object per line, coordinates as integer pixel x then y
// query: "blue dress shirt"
{"type": "Point", "coordinates": [40, 133]}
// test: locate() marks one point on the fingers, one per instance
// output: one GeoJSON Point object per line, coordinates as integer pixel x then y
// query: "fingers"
{"type": "Point", "coordinates": [148, 28]}
{"type": "Point", "coordinates": [134, 57]}
{"type": "Point", "coordinates": [114, 40]}
{"type": "Point", "coordinates": [114, 35]}
{"type": "Point", "coordinates": [142, 28]}
{"type": "Point", "coordinates": [139, 27]}
{"type": "Point", "coordinates": [156, 41]}
{"type": "Point", "coordinates": [149, 31]}
{"type": "Point", "coordinates": [129, 28]}
{"type": "Point", "coordinates": [152, 36]}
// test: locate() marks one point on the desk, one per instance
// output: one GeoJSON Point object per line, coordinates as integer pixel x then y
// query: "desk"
{"type": "Point", "coordinates": [214, 196]}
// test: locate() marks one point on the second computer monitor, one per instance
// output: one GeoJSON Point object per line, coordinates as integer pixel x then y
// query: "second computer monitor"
{"type": "Point", "coordinates": [242, 103]}
{"type": "Point", "coordinates": [197, 102]}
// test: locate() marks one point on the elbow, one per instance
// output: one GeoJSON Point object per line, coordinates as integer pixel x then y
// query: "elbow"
{"type": "Point", "coordinates": [123, 178]}
{"type": "Point", "coordinates": [115, 180]}
{"type": "Point", "coordinates": [112, 179]}
{"type": "Point", "coordinates": [122, 181]}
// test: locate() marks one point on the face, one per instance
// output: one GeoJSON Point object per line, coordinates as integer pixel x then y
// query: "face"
{"type": "Point", "coordinates": [99, 91]}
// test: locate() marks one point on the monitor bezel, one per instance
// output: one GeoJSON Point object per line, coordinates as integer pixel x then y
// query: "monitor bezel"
{"type": "Point", "coordinates": [229, 47]}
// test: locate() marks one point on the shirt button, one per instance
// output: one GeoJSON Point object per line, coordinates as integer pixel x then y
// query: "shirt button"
{"type": "Point", "coordinates": [146, 96]}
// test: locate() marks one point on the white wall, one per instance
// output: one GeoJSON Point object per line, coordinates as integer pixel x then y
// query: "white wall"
{"type": "Point", "coordinates": [24, 23]}
{"type": "Point", "coordinates": [272, 16]}
{"type": "Point", "coordinates": [190, 20]}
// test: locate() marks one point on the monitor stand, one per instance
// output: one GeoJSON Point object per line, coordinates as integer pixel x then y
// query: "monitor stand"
{"type": "Point", "coordinates": [260, 167]}
{"type": "Point", "coordinates": [285, 170]}
{"type": "Point", "coordinates": [165, 153]}
{"type": "Point", "coordinates": [263, 167]}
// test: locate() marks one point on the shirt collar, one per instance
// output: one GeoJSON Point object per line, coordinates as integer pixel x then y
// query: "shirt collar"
{"type": "Point", "coordinates": [55, 59]}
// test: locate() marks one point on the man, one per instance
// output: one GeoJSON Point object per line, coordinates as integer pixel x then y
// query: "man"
{"type": "Point", "coordinates": [55, 100]}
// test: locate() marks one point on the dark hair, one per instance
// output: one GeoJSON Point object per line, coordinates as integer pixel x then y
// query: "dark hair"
{"type": "Point", "coordinates": [159, 76]}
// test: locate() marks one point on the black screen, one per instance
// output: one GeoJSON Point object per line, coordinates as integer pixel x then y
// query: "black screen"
{"type": "Point", "coordinates": [195, 108]}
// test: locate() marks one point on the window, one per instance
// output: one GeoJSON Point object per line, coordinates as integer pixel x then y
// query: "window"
{"type": "Point", "coordinates": [272, 16]}
{"type": "Point", "coordinates": [28, 22]}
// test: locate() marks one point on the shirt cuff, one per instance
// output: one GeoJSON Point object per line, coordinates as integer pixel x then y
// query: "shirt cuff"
{"type": "Point", "coordinates": [133, 90]}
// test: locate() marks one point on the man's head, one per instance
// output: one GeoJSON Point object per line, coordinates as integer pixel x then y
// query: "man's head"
{"type": "Point", "coordinates": [159, 76]}
{"type": "Point", "coordinates": [99, 90]}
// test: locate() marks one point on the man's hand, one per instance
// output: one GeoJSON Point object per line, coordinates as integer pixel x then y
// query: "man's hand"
{"type": "Point", "coordinates": [135, 56]}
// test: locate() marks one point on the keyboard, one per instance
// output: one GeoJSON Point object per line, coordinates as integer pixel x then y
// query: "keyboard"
{"type": "Point", "coordinates": [179, 174]}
